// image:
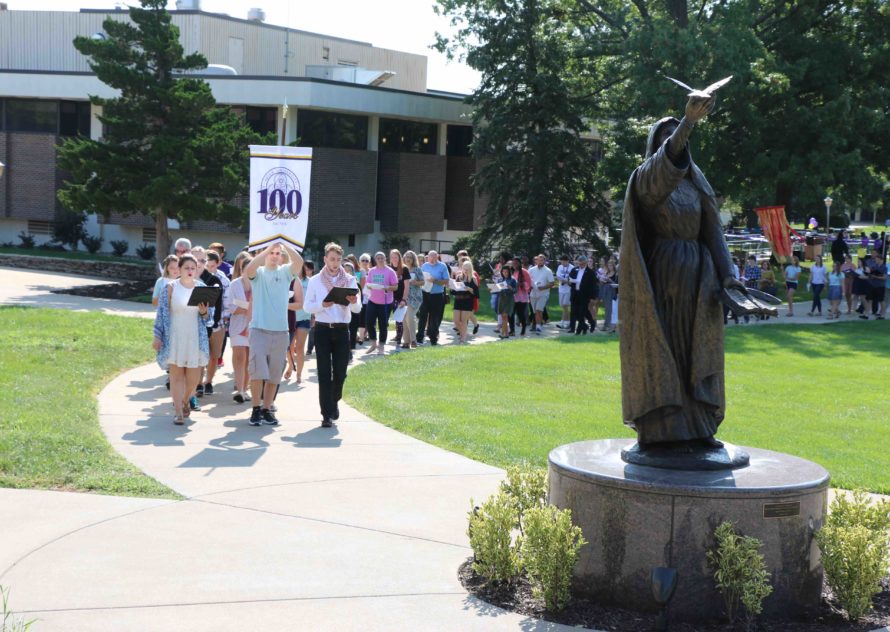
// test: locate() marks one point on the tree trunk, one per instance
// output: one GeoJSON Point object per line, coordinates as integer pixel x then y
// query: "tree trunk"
{"type": "Point", "coordinates": [162, 240]}
{"type": "Point", "coordinates": [784, 192]}
{"type": "Point", "coordinates": [679, 11]}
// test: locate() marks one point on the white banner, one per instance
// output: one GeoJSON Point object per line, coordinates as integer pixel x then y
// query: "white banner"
{"type": "Point", "coordinates": [279, 195]}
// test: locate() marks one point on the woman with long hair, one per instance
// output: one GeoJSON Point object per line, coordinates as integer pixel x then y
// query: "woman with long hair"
{"type": "Point", "coordinates": [792, 276]}
{"type": "Point", "coordinates": [180, 336]}
{"type": "Point", "coordinates": [361, 276]}
{"type": "Point", "coordinates": [849, 271]}
{"type": "Point", "coordinates": [395, 262]}
{"type": "Point", "coordinates": [302, 324]}
{"type": "Point", "coordinates": [413, 297]}
{"type": "Point", "coordinates": [239, 298]}
{"type": "Point", "coordinates": [463, 299]}
{"type": "Point", "coordinates": [608, 279]}
{"type": "Point", "coordinates": [381, 281]}
{"type": "Point", "coordinates": [520, 297]}
{"type": "Point", "coordinates": [506, 302]}
{"type": "Point", "coordinates": [817, 284]}
{"type": "Point", "coordinates": [169, 273]}
{"type": "Point", "coordinates": [835, 290]}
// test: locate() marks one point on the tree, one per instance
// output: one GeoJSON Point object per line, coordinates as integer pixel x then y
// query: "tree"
{"type": "Point", "coordinates": [806, 111]}
{"type": "Point", "coordinates": [167, 149]}
{"type": "Point", "coordinates": [530, 114]}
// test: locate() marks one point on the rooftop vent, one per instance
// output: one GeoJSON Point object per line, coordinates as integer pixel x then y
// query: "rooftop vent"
{"type": "Point", "coordinates": [349, 74]}
{"type": "Point", "coordinates": [188, 5]}
{"type": "Point", "coordinates": [256, 15]}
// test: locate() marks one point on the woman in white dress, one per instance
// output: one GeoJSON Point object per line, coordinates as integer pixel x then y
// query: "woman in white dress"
{"type": "Point", "coordinates": [180, 336]}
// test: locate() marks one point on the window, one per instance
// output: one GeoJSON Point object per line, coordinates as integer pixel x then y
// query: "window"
{"type": "Point", "coordinates": [459, 139]}
{"type": "Point", "coordinates": [149, 235]}
{"type": "Point", "coordinates": [40, 227]}
{"type": "Point", "coordinates": [346, 62]}
{"type": "Point", "coordinates": [2, 114]}
{"type": "Point", "coordinates": [74, 118]}
{"type": "Point", "coordinates": [325, 53]}
{"type": "Point", "coordinates": [351, 240]}
{"type": "Point", "coordinates": [407, 136]}
{"type": "Point", "coordinates": [31, 116]}
{"type": "Point", "coordinates": [330, 129]}
{"type": "Point", "coordinates": [263, 120]}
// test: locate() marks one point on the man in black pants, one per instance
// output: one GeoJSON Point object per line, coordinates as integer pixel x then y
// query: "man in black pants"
{"type": "Point", "coordinates": [331, 330]}
{"type": "Point", "coordinates": [584, 289]}
{"type": "Point", "coordinates": [429, 316]}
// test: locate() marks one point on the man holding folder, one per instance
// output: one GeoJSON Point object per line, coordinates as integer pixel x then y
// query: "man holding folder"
{"type": "Point", "coordinates": [331, 296]}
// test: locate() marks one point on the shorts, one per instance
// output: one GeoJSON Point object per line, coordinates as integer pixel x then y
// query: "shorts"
{"type": "Point", "coordinates": [834, 292]}
{"type": "Point", "coordinates": [539, 301]}
{"type": "Point", "coordinates": [303, 324]}
{"type": "Point", "coordinates": [877, 294]}
{"type": "Point", "coordinates": [268, 355]}
{"type": "Point", "coordinates": [565, 298]}
{"type": "Point", "coordinates": [790, 285]}
{"type": "Point", "coordinates": [238, 340]}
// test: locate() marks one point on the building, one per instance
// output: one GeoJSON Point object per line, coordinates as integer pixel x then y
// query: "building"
{"type": "Point", "coordinates": [390, 156]}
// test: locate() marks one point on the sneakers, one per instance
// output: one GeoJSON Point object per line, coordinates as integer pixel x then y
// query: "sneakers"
{"type": "Point", "coordinates": [475, 329]}
{"type": "Point", "coordinates": [326, 422]}
{"type": "Point", "coordinates": [256, 416]}
{"type": "Point", "coordinates": [193, 403]}
{"type": "Point", "coordinates": [269, 417]}
{"type": "Point", "coordinates": [208, 389]}
{"type": "Point", "coordinates": [199, 392]}
{"type": "Point", "coordinates": [238, 397]}
{"type": "Point", "coordinates": [220, 363]}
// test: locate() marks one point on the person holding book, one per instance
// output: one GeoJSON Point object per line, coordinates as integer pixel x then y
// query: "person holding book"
{"type": "Point", "coordinates": [398, 295]}
{"type": "Point", "coordinates": [381, 283]}
{"type": "Point", "coordinates": [331, 329]}
{"type": "Point", "coordinates": [505, 299]}
{"type": "Point", "coordinates": [239, 305]}
{"type": "Point", "coordinates": [180, 336]}
{"type": "Point", "coordinates": [429, 317]}
{"type": "Point", "coordinates": [520, 298]}
{"type": "Point", "coordinates": [465, 290]}
{"type": "Point", "coordinates": [412, 298]}
{"type": "Point", "coordinates": [268, 338]}
{"type": "Point", "coordinates": [565, 290]}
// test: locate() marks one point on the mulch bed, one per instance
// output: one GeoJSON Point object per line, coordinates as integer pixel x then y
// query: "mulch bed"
{"type": "Point", "coordinates": [582, 612]}
{"type": "Point", "coordinates": [121, 291]}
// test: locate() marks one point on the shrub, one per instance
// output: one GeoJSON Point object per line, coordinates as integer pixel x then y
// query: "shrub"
{"type": "Point", "coordinates": [93, 244]}
{"type": "Point", "coordinates": [527, 488]}
{"type": "Point", "coordinates": [68, 228]}
{"type": "Point", "coordinates": [549, 551]}
{"type": "Point", "coordinates": [120, 247]}
{"type": "Point", "coordinates": [26, 240]}
{"type": "Point", "coordinates": [855, 545]}
{"type": "Point", "coordinates": [146, 251]}
{"type": "Point", "coordinates": [491, 537]}
{"type": "Point", "coordinates": [740, 572]}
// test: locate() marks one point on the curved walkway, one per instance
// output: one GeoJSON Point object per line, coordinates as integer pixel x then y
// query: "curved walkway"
{"type": "Point", "coordinates": [357, 527]}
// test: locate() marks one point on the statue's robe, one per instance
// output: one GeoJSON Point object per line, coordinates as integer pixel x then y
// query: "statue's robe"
{"type": "Point", "coordinates": [673, 260]}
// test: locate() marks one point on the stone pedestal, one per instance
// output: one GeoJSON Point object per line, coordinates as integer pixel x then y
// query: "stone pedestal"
{"type": "Point", "coordinates": [636, 518]}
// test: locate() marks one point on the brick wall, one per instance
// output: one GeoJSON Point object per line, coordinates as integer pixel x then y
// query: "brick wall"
{"type": "Point", "coordinates": [343, 195]}
{"type": "Point", "coordinates": [411, 192]}
{"type": "Point", "coordinates": [31, 175]}
{"type": "Point", "coordinates": [460, 199]}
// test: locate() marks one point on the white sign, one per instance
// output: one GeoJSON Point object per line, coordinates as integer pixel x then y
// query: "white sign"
{"type": "Point", "coordinates": [279, 195]}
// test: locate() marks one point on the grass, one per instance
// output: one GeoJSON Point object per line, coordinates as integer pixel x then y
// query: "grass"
{"type": "Point", "coordinates": [53, 363]}
{"type": "Point", "coordinates": [77, 255]}
{"type": "Point", "coordinates": [816, 392]}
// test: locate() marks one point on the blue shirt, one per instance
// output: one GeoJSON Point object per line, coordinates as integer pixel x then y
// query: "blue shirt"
{"type": "Point", "coordinates": [271, 291]}
{"type": "Point", "coordinates": [439, 272]}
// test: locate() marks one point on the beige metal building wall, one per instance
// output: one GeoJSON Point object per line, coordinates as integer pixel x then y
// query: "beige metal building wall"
{"type": "Point", "coordinates": [42, 40]}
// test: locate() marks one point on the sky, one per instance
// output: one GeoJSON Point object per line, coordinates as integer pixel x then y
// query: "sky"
{"type": "Point", "coordinates": [405, 25]}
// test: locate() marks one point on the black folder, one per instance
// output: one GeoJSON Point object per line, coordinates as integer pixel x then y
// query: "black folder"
{"type": "Point", "coordinates": [338, 295]}
{"type": "Point", "coordinates": [207, 295]}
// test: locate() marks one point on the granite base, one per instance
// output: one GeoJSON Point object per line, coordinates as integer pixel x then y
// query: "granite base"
{"type": "Point", "coordinates": [635, 518]}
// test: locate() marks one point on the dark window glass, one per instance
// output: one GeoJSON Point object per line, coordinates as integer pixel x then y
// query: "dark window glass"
{"type": "Point", "coordinates": [263, 120]}
{"type": "Point", "coordinates": [351, 241]}
{"type": "Point", "coordinates": [407, 137]}
{"type": "Point", "coordinates": [2, 114]}
{"type": "Point", "coordinates": [459, 139]}
{"type": "Point", "coordinates": [31, 116]}
{"type": "Point", "coordinates": [74, 118]}
{"type": "Point", "coordinates": [330, 129]}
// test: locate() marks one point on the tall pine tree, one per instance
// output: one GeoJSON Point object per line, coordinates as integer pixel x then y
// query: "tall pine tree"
{"type": "Point", "coordinates": [531, 113]}
{"type": "Point", "coordinates": [167, 149]}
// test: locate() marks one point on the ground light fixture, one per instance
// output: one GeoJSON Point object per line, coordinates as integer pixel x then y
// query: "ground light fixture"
{"type": "Point", "coordinates": [664, 583]}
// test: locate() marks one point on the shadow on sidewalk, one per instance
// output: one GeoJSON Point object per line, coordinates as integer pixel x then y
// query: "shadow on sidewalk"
{"type": "Point", "coordinates": [318, 437]}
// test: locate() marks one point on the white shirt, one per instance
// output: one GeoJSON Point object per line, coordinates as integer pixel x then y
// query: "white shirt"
{"type": "Point", "coordinates": [817, 275]}
{"type": "Point", "coordinates": [315, 295]}
{"type": "Point", "coordinates": [579, 276]}
{"type": "Point", "coordinates": [562, 273]}
{"type": "Point", "coordinates": [540, 276]}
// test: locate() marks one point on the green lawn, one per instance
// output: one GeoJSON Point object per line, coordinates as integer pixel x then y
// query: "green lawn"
{"type": "Point", "coordinates": [817, 392]}
{"type": "Point", "coordinates": [78, 255]}
{"type": "Point", "coordinates": [53, 363]}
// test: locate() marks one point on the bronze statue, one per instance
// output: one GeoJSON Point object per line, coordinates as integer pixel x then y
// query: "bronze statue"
{"type": "Point", "coordinates": [674, 266]}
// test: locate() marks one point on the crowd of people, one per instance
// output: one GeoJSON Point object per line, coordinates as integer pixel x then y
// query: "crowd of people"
{"type": "Point", "coordinates": [274, 309]}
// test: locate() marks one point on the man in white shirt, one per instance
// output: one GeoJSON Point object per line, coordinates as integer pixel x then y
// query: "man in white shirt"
{"type": "Point", "coordinates": [565, 290]}
{"type": "Point", "coordinates": [542, 281]}
{"type": "Point", "coordinates": [331, 330]}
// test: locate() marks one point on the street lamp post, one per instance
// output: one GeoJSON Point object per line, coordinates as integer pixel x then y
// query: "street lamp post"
{"type": "Point", "coordinates": [828, 202]}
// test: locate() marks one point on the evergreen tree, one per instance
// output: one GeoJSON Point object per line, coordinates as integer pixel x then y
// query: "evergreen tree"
{"type": "Point", "coordinates": [167, 149]}
{"type": "Point", "coordinates": [530, 114]}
